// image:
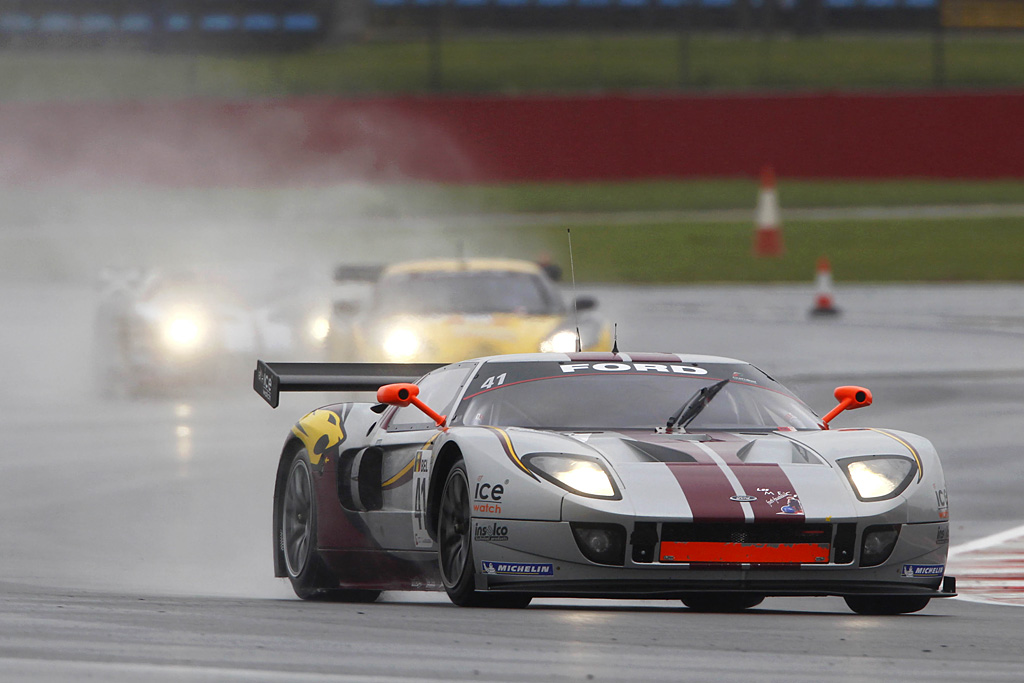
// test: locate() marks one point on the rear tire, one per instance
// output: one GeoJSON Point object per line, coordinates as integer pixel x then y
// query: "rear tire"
{"type": "Point", "coordinates": [310, 577]}
{"type": "Point", "coordinates": [455, 548]}
{"type": "Point", "coordinates": [722, 602]}
{"type": "Point", "coordinates": [886, 604]}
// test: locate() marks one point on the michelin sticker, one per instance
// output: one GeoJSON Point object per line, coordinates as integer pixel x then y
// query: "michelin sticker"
{"type": "Point", "coordinates": [517, 569]}
{"type": "Point", "coordinates": [913, 571]}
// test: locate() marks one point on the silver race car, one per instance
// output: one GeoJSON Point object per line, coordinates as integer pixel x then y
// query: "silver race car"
{"type": "Point", "coordinates": [167, 332]}
{"type": "Point", "coordinates": [632, 475]}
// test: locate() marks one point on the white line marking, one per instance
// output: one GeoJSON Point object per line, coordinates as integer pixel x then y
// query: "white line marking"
{"type": "Point", "coordinates": [988, 541]}
{"type": "Point", "coordinates": [984, 576]}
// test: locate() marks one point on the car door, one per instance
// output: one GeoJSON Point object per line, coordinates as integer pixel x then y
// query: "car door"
{"type": "Point", "coordinates": [405, 449]}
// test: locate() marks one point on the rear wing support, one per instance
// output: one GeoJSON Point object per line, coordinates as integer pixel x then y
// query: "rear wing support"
{"type": "Point", "coordinates": [270, 379]}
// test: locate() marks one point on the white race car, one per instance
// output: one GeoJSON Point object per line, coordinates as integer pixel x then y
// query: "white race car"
{"type": "Point", "coordinates": [641, 475]}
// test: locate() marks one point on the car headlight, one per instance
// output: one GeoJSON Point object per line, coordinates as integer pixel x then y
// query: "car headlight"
{"type": "Point", "coordinates": [879, 477]}
{"type": "Point", "coordinates": [401, 343]}
{"type": "Point", "coordinates": [578, 474]}
{"type": "Point", "coordinates": [563, 341]}
{"type": "Point", "coordinates": [183, 331]}
{"type": "Point", "coordinates": [319, 328]}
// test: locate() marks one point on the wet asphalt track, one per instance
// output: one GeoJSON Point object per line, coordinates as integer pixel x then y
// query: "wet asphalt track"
{"type": "Point", "coordinates": [135, 535]}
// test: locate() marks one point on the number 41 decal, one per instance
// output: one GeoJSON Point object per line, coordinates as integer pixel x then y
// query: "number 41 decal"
{"type": "Point", "coordinates": [420, 478]}
{"type": "Point", "coordinates": [495, 381]}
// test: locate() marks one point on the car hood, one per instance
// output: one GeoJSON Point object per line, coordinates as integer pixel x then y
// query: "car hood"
{"type": "Point", "coordinates": [716, 477]}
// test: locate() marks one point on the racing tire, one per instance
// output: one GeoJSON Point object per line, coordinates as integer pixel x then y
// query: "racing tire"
{"type": "Point", "coordinates": [722, 602]}
{"type": "Point", "coordinates": [878, 605]}
{"type": "Point", "coordinates": [310, 577]}
{"type": "Point", "coordinates": [455, 548]}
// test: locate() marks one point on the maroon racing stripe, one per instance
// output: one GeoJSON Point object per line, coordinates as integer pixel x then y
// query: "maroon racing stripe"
{"type": "Point", "coordinates": [654, 358]}
{"type": "Point", "coordinates": [594, 357]}
{"type": "Point", "coordinates": [708, 492]}
{"type": "Point", "coordinates": [777, 498]}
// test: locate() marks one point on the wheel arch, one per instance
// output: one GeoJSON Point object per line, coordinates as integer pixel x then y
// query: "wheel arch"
{"type": "Point", "coordinates": [291, 446]}
{"type": "Point", "coordinates": [446, 459]}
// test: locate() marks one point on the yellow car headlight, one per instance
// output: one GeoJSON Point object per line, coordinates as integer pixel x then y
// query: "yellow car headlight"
{"type": "Point", "coordinates": [401, 344]}
{"type": "Point", "coordinates": [563, 341]}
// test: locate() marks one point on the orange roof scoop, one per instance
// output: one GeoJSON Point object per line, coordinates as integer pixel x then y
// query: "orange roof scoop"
{"type": "Point", "coordinates": [849, 398]}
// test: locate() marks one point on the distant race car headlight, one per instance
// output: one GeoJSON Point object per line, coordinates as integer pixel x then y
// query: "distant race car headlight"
{"type": "Point", "coordinates": [319, 328]}
{"type": "Point", "coordinates": [401, 344]}
{"type": "Point", "coordinates": [563, 341]}
{"type": "Point", "coordinates": [574, 473]}
{"type": "Point", "coordinates": [879, 477]}
{"type": "Point", "coordinates": [183, 331]}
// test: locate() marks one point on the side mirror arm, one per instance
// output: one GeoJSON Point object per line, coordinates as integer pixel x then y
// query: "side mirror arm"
{"type": "Point", "coordinates": [404, 394]}
{"type": "Point", "coordinates": [850, 398]}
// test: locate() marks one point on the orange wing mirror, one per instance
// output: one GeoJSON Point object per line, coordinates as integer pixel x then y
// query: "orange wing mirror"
{"type": "Point", "coordinates": [404, 394]}
{"type": "Point", "coordinates": [849, 398]}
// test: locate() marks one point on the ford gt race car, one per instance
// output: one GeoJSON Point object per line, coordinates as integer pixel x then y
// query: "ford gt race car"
{"type": "Point", "coordinates": [639, 475]}
{"type": "Point", "coordinates": [434, 310]}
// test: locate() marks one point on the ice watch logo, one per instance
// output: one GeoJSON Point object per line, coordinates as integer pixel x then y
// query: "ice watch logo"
{"type": "Point", "coordinates": [487, 497]}
{"type": "Point", "coordinates": [485, 491]}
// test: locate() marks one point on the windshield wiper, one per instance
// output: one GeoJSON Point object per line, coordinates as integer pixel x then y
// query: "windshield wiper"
{"type": "Point", "coordinates": [696, 403]}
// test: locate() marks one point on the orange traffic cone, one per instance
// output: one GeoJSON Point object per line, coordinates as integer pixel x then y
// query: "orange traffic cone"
{"type": "Point", "coordinates": [824, 303]}
{"type": "Point", "coordinates": [768, 236]}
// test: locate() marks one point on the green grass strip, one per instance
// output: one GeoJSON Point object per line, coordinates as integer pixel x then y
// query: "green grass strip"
{"type": "Point", "coordinates": [518, 62]}
{"type": "Point", "coordinates": [860, 251]}
{"type": "Point", "coordinates": [686, 195]}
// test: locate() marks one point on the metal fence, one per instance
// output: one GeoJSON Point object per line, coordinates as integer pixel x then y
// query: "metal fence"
{"type": "Point", "coordinates": [165, 24]}
{"type": "Point", "coordinates": [373, 46]}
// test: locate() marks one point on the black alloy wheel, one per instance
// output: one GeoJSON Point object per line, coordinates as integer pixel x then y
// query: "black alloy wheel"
{"type": "Point", "coordinates": [310, 577]}
{"type": "Point", "coordinates": [455, 551]}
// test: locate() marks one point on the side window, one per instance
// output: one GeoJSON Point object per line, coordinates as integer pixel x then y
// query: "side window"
{"type": "Point", "coordinates": [438, 390]}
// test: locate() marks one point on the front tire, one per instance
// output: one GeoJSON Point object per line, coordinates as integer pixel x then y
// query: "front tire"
{"type": "Point", "coordinates": [874, 605]}
{"type": "Point", "coordinates": [455, 548]}
{"type": "Point", "coordinates": [310, 577]}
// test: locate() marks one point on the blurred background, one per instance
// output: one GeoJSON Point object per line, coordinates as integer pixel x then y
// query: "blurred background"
{"type": "Point", "coordinates": [272, 140]}
{"type": "Point", "coordinates": [180, 181]}
{"type": "Point", "coordinates": [307, 130]}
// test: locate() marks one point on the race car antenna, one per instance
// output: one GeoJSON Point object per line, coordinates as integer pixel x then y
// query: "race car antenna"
{"type": "Point", "coordinates": [575, 307]}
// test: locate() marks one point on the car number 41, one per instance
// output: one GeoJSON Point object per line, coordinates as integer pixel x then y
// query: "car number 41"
{"type": "Point", "coordinates": [495, 381]}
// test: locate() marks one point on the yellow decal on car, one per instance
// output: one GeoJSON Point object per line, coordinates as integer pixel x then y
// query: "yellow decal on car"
{"type": "Point", "coordinates": [319, 431]}
{"type": "Point", "coordinates": [405, 474]}
{"type": "Point", "coordinates": [913, 451]}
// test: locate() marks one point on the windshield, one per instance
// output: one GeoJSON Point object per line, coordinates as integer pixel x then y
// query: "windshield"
{"type": "Point", "coordinates": [466, 292]}
{"type": "Point", "coordinates": [601, 396]}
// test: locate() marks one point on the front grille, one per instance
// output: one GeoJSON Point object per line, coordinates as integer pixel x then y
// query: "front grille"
{"type": "Point", "coordinates": [748, 533]}
{"type": "Point", "coordinates": [722, 543]}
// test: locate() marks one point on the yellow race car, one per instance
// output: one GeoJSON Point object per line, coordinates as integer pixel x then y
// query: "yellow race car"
{"type": "Point", "coordinates": [437, 310]}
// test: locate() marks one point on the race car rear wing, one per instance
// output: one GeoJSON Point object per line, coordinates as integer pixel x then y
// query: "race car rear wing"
{"type": "Point", "coordinates": [270, 379]}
